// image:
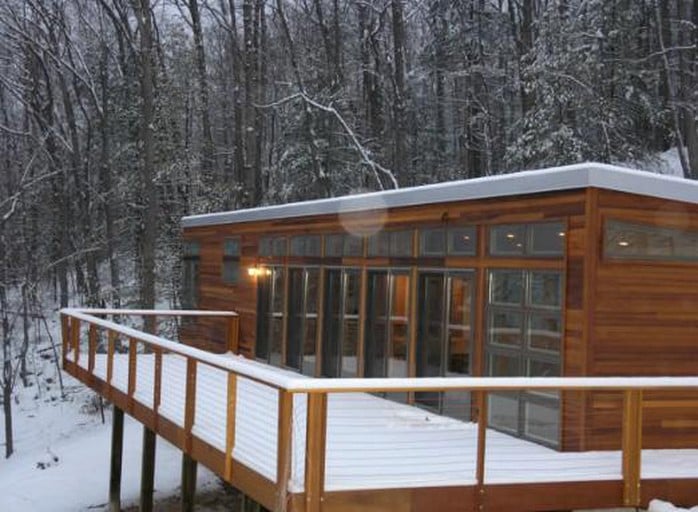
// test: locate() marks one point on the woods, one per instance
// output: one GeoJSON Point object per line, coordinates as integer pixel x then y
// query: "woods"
{"type": "Point", "coordinates": [117, 117]}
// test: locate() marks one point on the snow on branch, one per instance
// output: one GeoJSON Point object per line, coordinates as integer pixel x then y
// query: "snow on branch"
{"type": "Point", "coordinates": [375, 167]}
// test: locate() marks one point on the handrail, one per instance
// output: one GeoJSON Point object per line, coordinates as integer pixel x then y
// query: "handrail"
{"type": "Point", "coordinates": [151, 312]}
{"type": "Point", "coordinates": [298, 384]}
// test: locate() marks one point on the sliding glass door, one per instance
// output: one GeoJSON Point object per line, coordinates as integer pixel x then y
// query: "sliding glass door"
{"type": "Point", "coordinates": [270, 316]}
{"type": "Point", "coordinates": [444, 341]}
{"type": "Point", "coordinates": [341, 323]}
{"type": "Point", "coordinates": [302, 319]}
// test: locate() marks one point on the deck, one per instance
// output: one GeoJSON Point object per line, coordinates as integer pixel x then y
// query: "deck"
{"type": "Point", "coordinates": [262, 430]}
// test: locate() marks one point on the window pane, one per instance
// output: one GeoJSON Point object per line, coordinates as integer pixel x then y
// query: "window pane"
{"type": "Point", "coordinates": [433, 242]}
{"type": "Point", "coordinates": [506, 287]}
{"type": "Point", "coordinates": [504, 412]}
{"type": "Point", "coordinates": [277, 290]}
{"type": "Point", "coordinates": [399, 332]}
{"type": "Point", "coordinates": [263, 303]}
{"type": "Point", "coordinates": [334, 245]}
{"type": "Point", "coordinates": [538, 368]}
{"type": "Point", "coordinates": [462, 241]}
{"type": "Point", "coordinates": [376, 333]}
{"type": "Point", "coordinates": [265, 246]}
{"type": "Point", "coordinates": [279, 246]}
{"type": "Point", "coordinates": [547, 239]}
{"type": "Point", "coordinates": [312, 292]}
{"type": "Point", "coordinates": [331, 324]}
{"type": "Point", "coordinates": [544, 332]}
{"type": "Point", "coordinates": [546, 289]}
{"type": "Point", "coordinates": [630, 240]}
{"type": "Point", "coordinates": [309, 338]}
{"type": "Point", "coordinates": [295, 319]}
{"type": "Point", "coordinates": [306, 245]}
{"type": "Point", "coordinates": [542, 422]}
{"type": "Point", "coordinates": [231, 247]}
{"type": "Point", "coordinates": [505, 328]}
{"type": "Point", "coordinates": [401, 244]}
{"type": "Point", "coordinates": [508, 239]}
{"type": "Point", "coordinates": [191, 248]}
{"type": "Point", "coordinates": [353, 245]}
{"type": "Point", "coordinates": [504, 366]}
{"type": "Point", "coordinates": [379, 244]}
{"type": "Point", "coordinates": [350, 337]}
{"type": "Point", "coordinates": [231, 271]}
{"type": "Point", "coordinates": [460, 310]}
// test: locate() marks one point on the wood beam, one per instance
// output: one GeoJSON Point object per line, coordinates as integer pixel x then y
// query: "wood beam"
{"type": "Point", "coordinates": [189, 468]}
{"type": "Point", "coordinates": [147, 471]}
{"type": "Point", "coordinates": [117, 444]}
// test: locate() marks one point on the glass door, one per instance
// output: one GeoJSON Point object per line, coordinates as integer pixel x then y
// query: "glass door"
{"type": "Point", "coordinates": [445, 336]}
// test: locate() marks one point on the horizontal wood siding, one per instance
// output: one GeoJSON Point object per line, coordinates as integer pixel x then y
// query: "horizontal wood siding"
{"type": "Point", "coordinates": [645, 322]}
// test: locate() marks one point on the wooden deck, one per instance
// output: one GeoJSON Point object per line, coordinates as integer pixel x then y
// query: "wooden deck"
{"type": "Point", "coordinates": [294, 443]}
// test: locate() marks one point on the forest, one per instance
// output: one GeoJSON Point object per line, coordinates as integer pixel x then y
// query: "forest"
{"type": "Point", "coordinates": [118, 117]}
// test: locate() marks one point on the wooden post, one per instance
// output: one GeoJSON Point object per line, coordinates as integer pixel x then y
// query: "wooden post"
{"type": "Point", "coordinates": [632, 446]}
{"type": "Point", "coordinates": [316, 435]}
{"type": "Point", "coordinates": [65, 331]}
{"type": "Point", "coordinates": [189, 466]}
{"type": "Point", "coordinates": [117, 444]}
{"type": "Point", "coordinates": [481, 447]}
{"type": "Point", "coordinates": [75, 339]}
{"type": "Point", "coordinates": [147, 471]}
{"type": "Point", "coordinates": [91, 348]}
{"type": "Point", "coordinates": [230, 426]}
{"type": "Point", "coordinates": [233, 333]}
{"type": "Point", "coordinates": [189, 404]}
{"type": "Point", "coordinates": [131, 389]}
{"type": "Point", "coordinates": [283, 449]}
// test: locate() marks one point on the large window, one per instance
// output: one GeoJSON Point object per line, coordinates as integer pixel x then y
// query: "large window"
{"type": "Point", "coordinates": [397, 244]}
{"type": "Point", "coordinates": [270, 315]}
{"type": "Point", "coordinates": [387, 333]}
{"type": "Point", "coordinates": [302, 319]}
{"type": "Point", "coordinates": [452, 241]}
{"type": "Point", "coordinates": [445, 336]}
{"type": "Point", "coordinates": [524, 336]}
{"type": "Point", "coordinates": [341, 323]}
{"type": "Point", "coordinates": [190, 274]}
{"type": "Point", "coordinates": [231, 260]}
{"type": "Point", "coordinates": [545, 239]}
{"type": "Point", "coordinates": [629, 240]}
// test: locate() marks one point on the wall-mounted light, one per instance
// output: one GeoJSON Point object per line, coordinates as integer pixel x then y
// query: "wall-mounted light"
{"type": "Point", "coordinates": [624, 243]}
{"type": "Point", "coordinates": [258, 271]}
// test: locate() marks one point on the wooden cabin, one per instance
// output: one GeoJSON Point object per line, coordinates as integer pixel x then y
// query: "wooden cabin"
{"type": "Point", "coordinates": [584, 270]}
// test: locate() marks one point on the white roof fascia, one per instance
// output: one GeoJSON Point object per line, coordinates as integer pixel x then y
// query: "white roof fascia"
{"type": "Point", "coordinates": [521, 183]}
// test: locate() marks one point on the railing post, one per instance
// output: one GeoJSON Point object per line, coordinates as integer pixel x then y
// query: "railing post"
{"type": "Point", "coordinates": [632, 446]}
{"type": "Point", "coordinates": [233, 332]}
{"type": "Point", "coordinates": [315, 448]}
{"type": "Point", "coordinates": [230, 426]}
{"type": "Point", "coordinates": [481, 447]}
{"type": "Point", "coordinates": [111, 347]}
{"type": "Point", "coordinates": [157, 385]}
{"type": "Point", "coordinates": [65, 331]}
{"type": "Point", "coordinates": [91, 348]}
{"type": "Point", "coordinates": [283, 449]}
{"type": "Point", "coordinates": [132, 349]}
{"type": "Point", "coordinates": [189, 404]}
{"type": "Point", "coordinates": [75, 339]}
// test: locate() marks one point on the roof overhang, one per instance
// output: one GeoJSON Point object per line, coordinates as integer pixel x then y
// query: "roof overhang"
{"type": "Point", "coordinates": [555, 179]}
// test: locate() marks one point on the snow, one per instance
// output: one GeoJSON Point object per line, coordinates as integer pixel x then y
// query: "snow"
{"type": "Point", "coordinates": [568, 177]}
{"type": "Point", "coordinates": [67, 438]}
{"type": "Point", "coordinates": [663, 506]}
{"type": "Point", "coordinates": [373, 443]}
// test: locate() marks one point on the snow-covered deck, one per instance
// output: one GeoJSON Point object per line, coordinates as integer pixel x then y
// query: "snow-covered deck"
{"type": "Point", "coordinates": [372, 443]}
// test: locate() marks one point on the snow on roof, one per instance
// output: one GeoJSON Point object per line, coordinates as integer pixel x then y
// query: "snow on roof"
{"type": "Point", "coordinates": [568, 177]}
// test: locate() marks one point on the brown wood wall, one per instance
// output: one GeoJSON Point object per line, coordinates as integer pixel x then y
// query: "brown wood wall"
{"type": "Point", "coordinates": [644, 321]}
{"type": "Point", "coordinates": [615, 323]}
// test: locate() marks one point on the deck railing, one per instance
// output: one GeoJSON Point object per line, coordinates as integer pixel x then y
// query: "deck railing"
{"type": "Point", "coordinates": [317, 391]}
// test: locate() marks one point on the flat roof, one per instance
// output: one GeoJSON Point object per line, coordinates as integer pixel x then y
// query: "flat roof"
{"type": "Point", "coordinates": [590, 174]}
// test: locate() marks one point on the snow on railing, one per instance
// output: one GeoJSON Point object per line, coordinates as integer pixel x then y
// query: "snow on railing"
{"type": "Point", "coordinates": [299, 450]}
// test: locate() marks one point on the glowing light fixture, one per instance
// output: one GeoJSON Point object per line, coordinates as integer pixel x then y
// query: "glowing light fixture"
{"type": "Point", "coordinates": [624, 243]}
{"type": "Point", "coordinates": [511, 236]}
{"type": "Point", "coordinates": [258, 271]}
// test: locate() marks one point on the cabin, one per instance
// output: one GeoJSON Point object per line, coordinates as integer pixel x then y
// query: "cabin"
{"type": "Point", "coordinates": [585, 270]}
{"type": "Point", "coordinates": [522, 342]}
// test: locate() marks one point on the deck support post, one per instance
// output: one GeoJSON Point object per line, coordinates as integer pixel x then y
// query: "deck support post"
{"type": "Point", "coordinates": [482, 415]}
{"type": "Point", "coordinates": [189, 467]}
{"type": "Point", "coordinates": [117, 444]}
{"type": "Point", "coordinates": [147, 471]}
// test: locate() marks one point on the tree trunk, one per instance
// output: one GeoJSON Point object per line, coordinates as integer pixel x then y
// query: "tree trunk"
{"type": "Point", "coordinates": [149, 211]}
{"type": "Point", "coordinates": [200, 54]}
{"type": "Point", "coordinates": [399, 128]}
